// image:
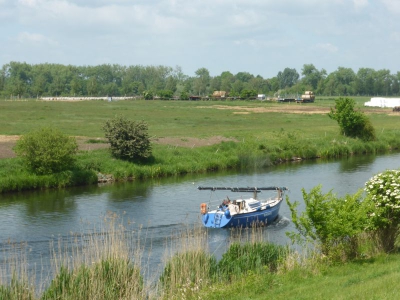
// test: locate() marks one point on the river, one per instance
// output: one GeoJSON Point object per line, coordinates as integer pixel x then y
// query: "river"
{"type": "Point", "coordinates": [162, 207]}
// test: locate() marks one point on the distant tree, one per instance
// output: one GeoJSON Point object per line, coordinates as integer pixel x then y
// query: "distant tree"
{"type": "Point", "coordinates": [247, 94]}
{"type": "Point", "coordinates": [287, 78]}
{"type": "Point", "coordinates": [148, 95]}
{"type": "Point", "coordinates": [129, 140]}
{"type": "Point", "coordinates": [184, 96]}
{"type": "Point", "coordinates": [352, 123]}
{"type": "Point", "coordinates": [47, 151]}
{"type": "Point", "coordinates": [244, 76]}
{"type": "Point", "coordinates": [311, 76]}
{"type": "Point", "coordinates": [202, 80]}
{"type": "Point", "coordinates": [165, 94]}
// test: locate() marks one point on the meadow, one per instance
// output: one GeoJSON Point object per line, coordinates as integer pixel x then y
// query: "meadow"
{"type": "Point", "coordinates": [259, 133]}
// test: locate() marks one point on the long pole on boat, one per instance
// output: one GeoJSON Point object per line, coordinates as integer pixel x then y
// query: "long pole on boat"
{"type": "Point", "coordinates": [242, 189]}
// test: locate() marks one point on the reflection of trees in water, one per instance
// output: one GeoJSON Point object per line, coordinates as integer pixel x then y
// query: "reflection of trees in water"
{"type": "Point", "coordinates": [47, 201]}
{"type": "Point", "coordinates": [355, 163]}
{"type": "Point", "coordinates": [127, 190]}
{"type": "Point", "coordinates": [141, 189]}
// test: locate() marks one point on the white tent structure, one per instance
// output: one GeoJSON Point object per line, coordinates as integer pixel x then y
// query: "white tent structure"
{"type": "Point", "coordinates": [383, 102]}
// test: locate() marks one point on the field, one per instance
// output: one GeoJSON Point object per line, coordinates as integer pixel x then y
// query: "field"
{"type": "Point", "coordinates": [181, 120]}
{"type": "Point", "coordinates": [187, 136]}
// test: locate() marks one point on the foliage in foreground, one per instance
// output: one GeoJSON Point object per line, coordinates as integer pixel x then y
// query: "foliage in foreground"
{"type": "Point", "coordinates": [128, 139]}
{"type": "Point", "coordinates": [186, 273]}
{"type": "Point", "coordinates": [255, 257]}
{"type": "Point", "coordinates": [46, 151]}
{"type": "Point", "coordinates": [338, 225]}
{"type": "Point", "coordinates": [331, 223]}
{"type": "Point", "coordinates": [383, 190]}
{"type": "Point", "coordinates": [352, 123]}
{"type": "Point", "coordinates": [107, 279]}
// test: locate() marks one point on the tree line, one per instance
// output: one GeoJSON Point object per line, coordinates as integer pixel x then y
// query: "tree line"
{"type": "Point", "coordinates": [22, 80]}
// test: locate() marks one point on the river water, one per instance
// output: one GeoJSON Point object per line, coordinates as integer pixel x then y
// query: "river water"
{"type": "Point", "coordinates": [162, 207]}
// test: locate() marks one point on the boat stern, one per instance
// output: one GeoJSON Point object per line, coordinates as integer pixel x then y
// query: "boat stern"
{"type": "Point", "coordinates": [216, 219]}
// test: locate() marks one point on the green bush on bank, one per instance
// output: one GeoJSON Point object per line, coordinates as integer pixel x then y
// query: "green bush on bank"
{"type": "Point", "coordinates": [172, 160]}
{"type": "Point", "coordinates": [47, 151]}
{"type": "Point", "coordinates": [331, 223]}
{"type": "Point", "coordinates": [128, 139]}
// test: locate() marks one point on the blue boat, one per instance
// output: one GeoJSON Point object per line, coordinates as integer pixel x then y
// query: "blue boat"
{"type": "Point", "coordinates": [242, 212]}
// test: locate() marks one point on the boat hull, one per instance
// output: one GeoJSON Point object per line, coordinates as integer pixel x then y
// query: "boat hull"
{"type": "Point", "coordinates": [223, 219]}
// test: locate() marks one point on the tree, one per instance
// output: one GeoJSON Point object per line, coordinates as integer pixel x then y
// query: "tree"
{"type": "Point", "coordinates": [287, 78]}
{"type": "Point", "coordinates": [148, 95]}
{"type": "Point", "coordinates": [129, 140]}
{"type": "Point", "coordinates": [247, 94]}
{"type": "Point", "coordinates": [202, 81]}
{"type": "Point", "coordinates": [352, 123]}
{"type": "Point", "coordinates": [312, 76]}
{"type": "Point", "coordinates": [47, 151]}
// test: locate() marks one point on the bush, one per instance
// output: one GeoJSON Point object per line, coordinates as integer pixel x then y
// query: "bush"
{"type": "Point", "coordinates": [352, 123]}
{"type": "Point", "coordinates": [333, 223]}
{"type": "Point", "coordinates": [128, 139]}
{"type": "Point", "coordinates": [384, 191]}
{"type": "Point", "coordinates": [47, 151]}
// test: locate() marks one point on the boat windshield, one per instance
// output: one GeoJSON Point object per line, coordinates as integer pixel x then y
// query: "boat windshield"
{"type": "Point", "coordinates": [254, 204]}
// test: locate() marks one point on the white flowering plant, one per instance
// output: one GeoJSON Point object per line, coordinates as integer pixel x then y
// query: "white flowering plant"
{"type": "Point", "coordinates": [384, 191]}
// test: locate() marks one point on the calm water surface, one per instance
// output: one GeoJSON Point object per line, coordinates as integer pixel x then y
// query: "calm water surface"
{"type": "Point", "coordinates": [164, 206]}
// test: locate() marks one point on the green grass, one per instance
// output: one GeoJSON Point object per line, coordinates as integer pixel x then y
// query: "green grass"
{"type": "Point", "coordinates": [368, 279]}
{"type": "Point", "coordinates": [263, 138]}
{"type": "Point", "coordinates": [174, 118]}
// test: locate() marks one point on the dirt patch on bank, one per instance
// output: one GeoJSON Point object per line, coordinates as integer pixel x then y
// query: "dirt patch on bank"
{"type": "Point", "coordinates": [287, 108]}
{"type": "Point", "coordinates": [293, 108]}
{"type": "Point", "coordinates": [7, 143]}
{"type": "Point", "coordinates": [191, 142]}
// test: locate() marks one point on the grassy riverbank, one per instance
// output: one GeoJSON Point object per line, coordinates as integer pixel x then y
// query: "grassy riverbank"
{"type": "Point", "coordinates": [115, 267]}
{"type": "Point", "coordinates": [262, 133]}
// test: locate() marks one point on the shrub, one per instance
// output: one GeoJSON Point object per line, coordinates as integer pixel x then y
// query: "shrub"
{"type": "Point", "coordinates": [47, 151]}
{"type": "Point", "coordinates": [384, 191]}
{"type": "Point", "coordinates": [352, 123]}
{"type": "Point", "coordinates": [128, 139]}
{"type": "Point", "coordinates": [333, 223]}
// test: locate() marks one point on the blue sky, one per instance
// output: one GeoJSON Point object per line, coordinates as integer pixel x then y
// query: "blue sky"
{"type": "Point", "coordinates": [261, 37]}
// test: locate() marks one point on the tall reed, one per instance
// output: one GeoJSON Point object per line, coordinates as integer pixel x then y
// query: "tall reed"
{"type": "Point", "coordinates": [105, 264]}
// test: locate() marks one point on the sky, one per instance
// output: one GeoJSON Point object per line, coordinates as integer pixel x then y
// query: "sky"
{"type": "Point", "coordinates": [262, 37]}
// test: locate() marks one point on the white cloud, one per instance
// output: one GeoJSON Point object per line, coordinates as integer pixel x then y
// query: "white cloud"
{"type": "Point", "coordinates": [34, 38]}
{"type": "Point", "coordinates": [327, 47]}
{"type": "Point", "coordinates": [395, 36]}
{"type": "Point", "coordinates": [238, 34]}
{"type": "Point", "coordinates": [358, 4]}
{"type": "Point", "coordinates": [392, 5]}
